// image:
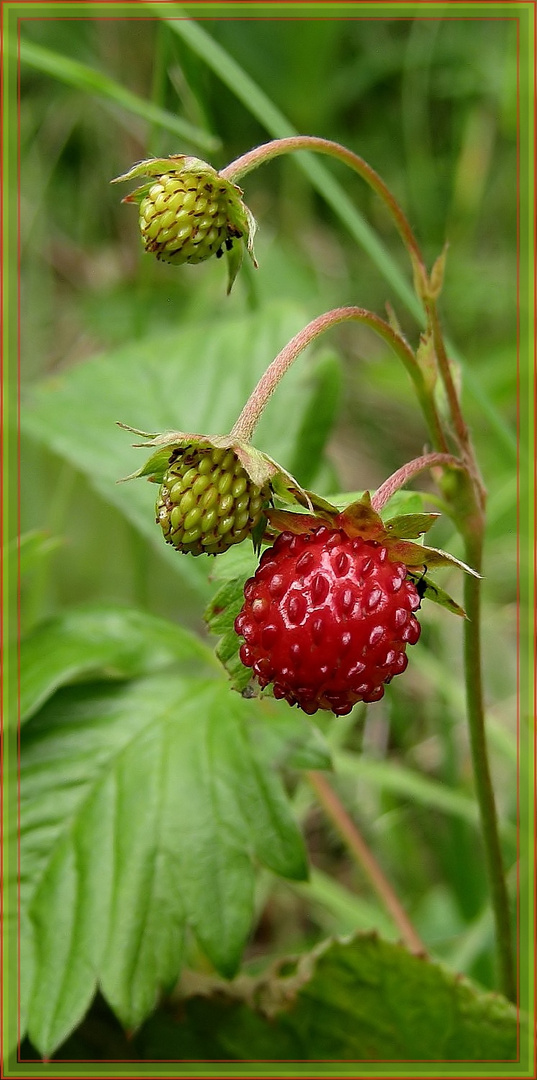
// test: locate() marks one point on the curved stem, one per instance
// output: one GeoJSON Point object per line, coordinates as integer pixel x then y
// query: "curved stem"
{"type": "Point", "coordinates": [356, 844]}
{"type": "Point", "coordinates": [261, 154]}
{"type": "Point", "coordinates": [384, 493]}
{"type": "Point", "coordinates": [482, 777]}
{"type": "Point", "coordinates": [246, 422]}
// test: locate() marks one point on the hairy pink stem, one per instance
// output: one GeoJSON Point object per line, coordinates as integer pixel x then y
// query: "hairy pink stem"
{"type": "Point", "coordinates": [406, 472]}
{"type": "Point", "coordinates": [246, 422]}
{"type": "Point", "coordinates": [261, 154]}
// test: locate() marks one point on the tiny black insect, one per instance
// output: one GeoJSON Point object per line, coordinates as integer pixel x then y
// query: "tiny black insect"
{"type": "Point", "coordinates": [421, 584]}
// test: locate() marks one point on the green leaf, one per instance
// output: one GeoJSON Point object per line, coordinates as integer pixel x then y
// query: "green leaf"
{"type": "Point", "coordinates": [225, 606]}
{"type": "Point", "coordinates": [189, 380]}
{"type": "Point", "coordinates": [289, 739]}
{"type": "Point", "coordinates": [359, 1000]}
{"type": "Point", "coordinates": [100, 640]}
{"type": "Point", "coordinates": [142, 807]}
{"type": "Point", "coordinates": [240, 677]}
{"type": "Point", "coordinates": [239, 561]}
{"type": "Point", "coordinates": [220, 617]}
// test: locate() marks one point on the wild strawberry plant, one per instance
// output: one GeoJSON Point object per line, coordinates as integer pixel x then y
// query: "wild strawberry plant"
{"type": "Point", "coordinates": [167, 806]}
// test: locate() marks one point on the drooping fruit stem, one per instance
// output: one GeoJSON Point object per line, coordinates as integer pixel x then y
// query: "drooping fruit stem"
{"type": "Point", "coordinates": [429, 461]}
{"type": "Point", "coordinates": [261, 154]}
{"type": "Point", "coordinates": [357, 846]}
{"type": "Point", "coordinates": [246, 422]}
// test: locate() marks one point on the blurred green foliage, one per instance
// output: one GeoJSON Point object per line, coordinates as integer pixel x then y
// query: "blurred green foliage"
{"type": "Point", "coordinates": [431, 104]}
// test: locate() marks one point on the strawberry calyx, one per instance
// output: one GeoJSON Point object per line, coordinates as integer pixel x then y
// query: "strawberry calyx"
{"type": "Point", "coordinates": [397, 535]}
{"type": "Point", "coordinates": [260, 468]}
{"type": "Point", "coordinates": [214, 489]}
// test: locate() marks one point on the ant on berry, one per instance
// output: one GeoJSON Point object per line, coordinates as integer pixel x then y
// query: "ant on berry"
{"type": "Point", "coordinates": [421, 584]}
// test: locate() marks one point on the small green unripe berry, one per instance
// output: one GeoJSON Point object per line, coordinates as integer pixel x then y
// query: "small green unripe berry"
{"type": "Point", "coordinates": [207, 502]}
{"type": "Point", "coordinates": [184, 218]}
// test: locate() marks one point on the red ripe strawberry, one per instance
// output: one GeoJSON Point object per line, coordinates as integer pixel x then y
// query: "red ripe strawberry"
{"type": "Point", "coordinates": [327, 619]}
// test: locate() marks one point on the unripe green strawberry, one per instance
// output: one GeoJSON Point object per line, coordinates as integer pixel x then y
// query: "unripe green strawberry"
{"type": "Point", "coordinates": [188, 212]}
{"type": "Point", "coordinates": [207, 502]}
{"type": "Point", "coordinates": [184, 218]}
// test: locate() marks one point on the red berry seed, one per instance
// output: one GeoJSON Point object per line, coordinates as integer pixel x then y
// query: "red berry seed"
{"type": "Point", "coordinates": [327, 620]}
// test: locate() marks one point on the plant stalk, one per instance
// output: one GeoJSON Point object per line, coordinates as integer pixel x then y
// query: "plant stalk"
{"type": "Point", "coordinates": [357, 846]}
{"type": "Point", "coordinates": [482, 777]}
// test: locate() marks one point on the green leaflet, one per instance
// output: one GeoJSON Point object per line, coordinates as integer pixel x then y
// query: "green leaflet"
{"type": "Point", "coordinates": [356, 1000]}
{"type": "Point", "coordinates": [142, 805]}
{"type": "Point", "coordinates": [116, 642]}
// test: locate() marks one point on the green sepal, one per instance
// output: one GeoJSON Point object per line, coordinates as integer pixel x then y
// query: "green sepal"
{"type": "Point", "coordinates": [393, 320]}
{"type": "Point", "coordinates": [173, 163]}
{"type": "Point", "coordinates": [293, 521]}
{"type": "Point", "coordinates": [258, 533]}
{"type": "Point", "coordinates": [429, 590]}
{"type": "Point", "coordinates": [261, 469]}
{"type": "Point", "coordinates": [426, 357]}
{"type": "Point", "coordinates": [156, 466]}
{"type": "Point", "coordinates": [234, 262]}
{"type": "Point", "coordinates": [359, 519]}
{"type": "Point", "coordinates": [410, 526]}
{"type": "Point", "coordinates": [240, 216]}
{"type": "Point", "coordinates": [436, 277]}
{"type": "Point", "coordinates": [420, 555]}
{"type": "Point", "coordinates": [321, 506]}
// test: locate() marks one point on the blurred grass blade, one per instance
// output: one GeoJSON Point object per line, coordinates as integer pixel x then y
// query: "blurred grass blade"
{"type": "Point", "coordinates": [504, 431]}
{"type": "Point", "coordinates": [91, 81]}
{"type": "Point", "coordinates": [35, 547]}
{"type": "Point", "coordinates": [349, 911]}
{"type": "Point", "coordinates": [406, 782]}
